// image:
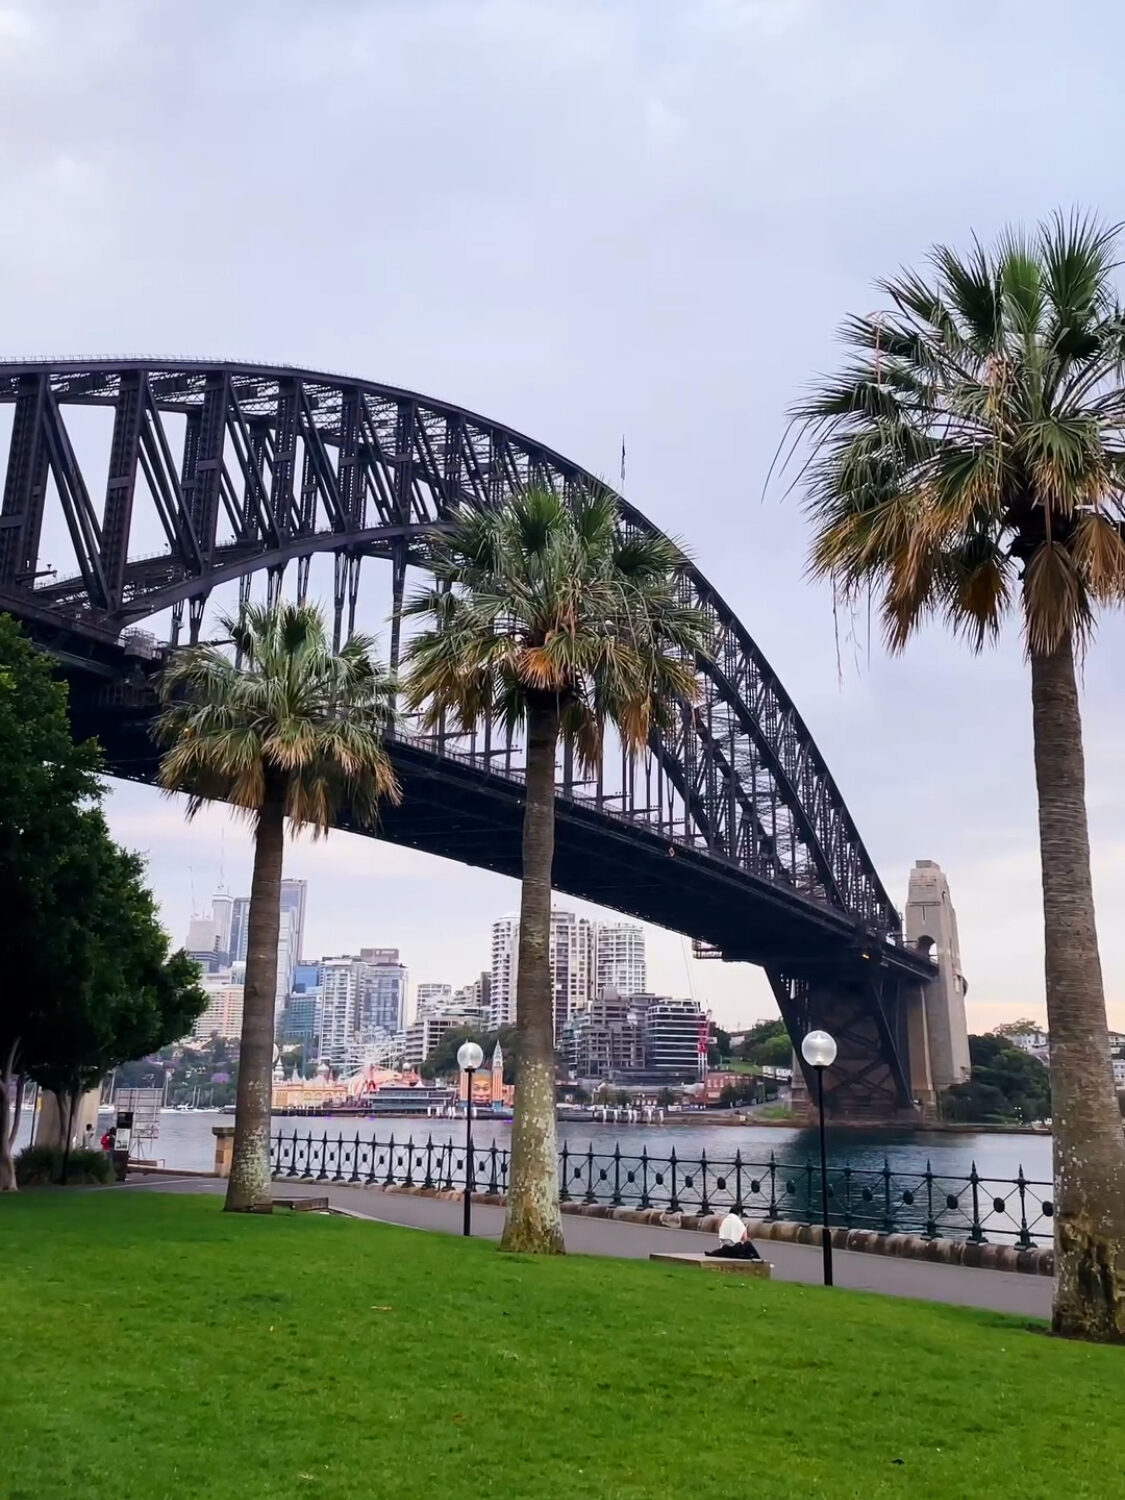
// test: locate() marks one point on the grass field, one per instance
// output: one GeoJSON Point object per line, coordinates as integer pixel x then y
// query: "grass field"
{"type": "Point", "coordinates": [153, 1347]}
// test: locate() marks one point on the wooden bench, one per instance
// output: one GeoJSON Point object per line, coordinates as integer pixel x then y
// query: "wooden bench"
{"type": "Point", "coordinates": [760, 1268]}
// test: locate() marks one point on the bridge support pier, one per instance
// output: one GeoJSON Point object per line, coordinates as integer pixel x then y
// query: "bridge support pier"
{"type": "Point", "coordinates": [902, 1041]}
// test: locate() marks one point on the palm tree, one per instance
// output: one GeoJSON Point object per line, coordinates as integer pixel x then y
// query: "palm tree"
{"type": "Point", "coordinates": [968, 462]}
{"type": "Point", "coordinates": [286, 728]}
{"type": "Point", "coordinates": [552, 617]}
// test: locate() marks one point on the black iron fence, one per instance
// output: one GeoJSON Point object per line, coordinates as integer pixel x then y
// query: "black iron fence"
{"type": "Point", "coordinates": [932, 1204]}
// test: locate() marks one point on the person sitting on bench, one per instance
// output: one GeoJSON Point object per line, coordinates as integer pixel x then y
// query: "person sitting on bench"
{"type": "Point", "coordinates": [734, 1241]}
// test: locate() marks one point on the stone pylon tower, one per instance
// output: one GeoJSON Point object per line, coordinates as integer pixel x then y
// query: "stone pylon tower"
{"type": "Point", "coordinates": [939, 1033]}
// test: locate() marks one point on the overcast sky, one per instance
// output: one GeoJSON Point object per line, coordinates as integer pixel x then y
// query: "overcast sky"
{"type": "Point", "coordinates": [584, 218]}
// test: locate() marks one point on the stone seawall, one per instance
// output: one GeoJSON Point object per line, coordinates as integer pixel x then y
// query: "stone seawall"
{"type": "Point", "coordinates": [1039, 1261]}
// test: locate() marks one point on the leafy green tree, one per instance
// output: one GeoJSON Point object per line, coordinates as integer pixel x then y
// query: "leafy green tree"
{"type": "Point", "coordinates": [442, 1061]}
{"type": "Point", "coordinates": [285, 728]}
{"type": "Point", "coordinates": [967, 463]}
{"type": "Point", "coordinates": [555, 617]}
{"type": "Point", "coordinates": [1017, 1028]}
{"type": "Point", "coordinates": [45, 783]}
{"type": "Point", "coordinates": [974, 1103]}
{"type": "Point", "coordinates": [767, 1044]}
{"type": "Point", "coordinates": [718, 1046]}
{"type": "Point", "coordinates": [116, 993]}
{"type": "Point", "coordinates": [1021, 1078]}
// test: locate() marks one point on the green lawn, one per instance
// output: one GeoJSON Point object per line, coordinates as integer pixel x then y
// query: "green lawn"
{"type": "Point", "coordinates": [153, 1347]}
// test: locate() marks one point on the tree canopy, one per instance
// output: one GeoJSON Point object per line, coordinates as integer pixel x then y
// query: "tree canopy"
{"type": "Point", "coordinates": [117, 992]}
{"type": "Point", "coordinates": [442, 1061]}
{"type": "Point", "coordinates": [767, 1045]}
{"type": "Point", "coordinates": [46, 781]}
{"type": "Point", "coordinates": [1006, 1083]}
{"type": "Point", "coordinates": [89, 979]}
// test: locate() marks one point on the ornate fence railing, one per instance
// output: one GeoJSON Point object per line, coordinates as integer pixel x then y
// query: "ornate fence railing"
{"type": "Point", "coordinates": [931, 1204]}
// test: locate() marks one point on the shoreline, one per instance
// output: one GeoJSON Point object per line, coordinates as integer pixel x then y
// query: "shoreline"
{"type": "Point", "coordinates": [691, 1120]}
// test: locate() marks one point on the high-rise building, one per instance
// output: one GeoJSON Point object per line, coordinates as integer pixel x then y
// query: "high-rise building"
{"type": "Point", "coordinates": [202, 937]}
{"type": "Point", "coordinates": [362, 1006]}
{"type": "Point", "coordinates": [606, 1039]}
{"type": "Point", "coordinates": [293, 894]}
{"type": "Point", "coordinates": [307, 977]}
{"type": "Point", "coordinates": [208, 938]}
{"type": "Point", "coordinates": [339, 1002]}
{"type": "Point", "coordinates": [572, 965]}
{"type": "Point", "coordinates": [502, 976]}
{"type": "Point", "coordinates": [221, 905]}
{"type": "Point", "coordinates": [383, 999]}
{"type": "Point", "coordinates": [223, 1015]}
{"type": "Point", "coordinates": [298, 1024]}
{"type": "Point", "coordinates": [619, 958]}
{"type": "Point", "coordinates": [675, 1037]}
{"type": "Point", "coordinates": [379, 955]}
{"type": "Point", "coordinates": [423, 1035]}
{"type": "Point", "coordinates": [432, 999]}
{"type": "Point", "coordinates": [572, 968]}
{"type": "Point", "coordinates": [239, 928]}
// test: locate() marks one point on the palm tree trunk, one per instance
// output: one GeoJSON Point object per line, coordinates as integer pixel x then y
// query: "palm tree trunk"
{"type": "Point", "coordinates": [533, 1221]}
{"type": "Point", "coordinates": [249, 1189]}
{"type": "Point", "coordinates": [1088, 1145]}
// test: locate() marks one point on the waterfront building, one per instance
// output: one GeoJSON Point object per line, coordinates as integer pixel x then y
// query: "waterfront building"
{"type": "Point", "coordinates": [605, 1039]}
{"type": "Point", "coordinates": [619, 958]}
{"type": "Point", "coordinates": [676, 1035]}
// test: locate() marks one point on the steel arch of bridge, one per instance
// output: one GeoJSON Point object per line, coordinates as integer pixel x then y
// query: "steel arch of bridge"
{"type": "Point", "coordinates": [276, 465]}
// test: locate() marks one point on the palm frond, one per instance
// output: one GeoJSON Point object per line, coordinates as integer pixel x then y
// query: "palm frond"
{"type": "Point", "coordinates": [289, 718]}
{"type": "Point", "coordinates": [971, 432]}
{"type": "Point", "coordinates": [555, 598]}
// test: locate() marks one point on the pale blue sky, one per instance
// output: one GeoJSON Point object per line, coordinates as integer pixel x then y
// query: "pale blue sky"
{"type": "Point", "coordinates": [586, 218]}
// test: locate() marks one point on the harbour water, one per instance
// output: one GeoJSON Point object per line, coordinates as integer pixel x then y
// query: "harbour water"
{"type": "Point", "coordinates": [185, 1140]}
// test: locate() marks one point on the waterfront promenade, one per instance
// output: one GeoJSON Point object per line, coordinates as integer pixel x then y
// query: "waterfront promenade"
{"type": "Point", "coordinates": [998, 1291]}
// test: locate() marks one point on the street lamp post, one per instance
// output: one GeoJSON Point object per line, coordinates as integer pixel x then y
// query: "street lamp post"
{"type": "Point", "coordinates": [469, 1059]}
{"type": "Point", "coordinates": [819, 1051]}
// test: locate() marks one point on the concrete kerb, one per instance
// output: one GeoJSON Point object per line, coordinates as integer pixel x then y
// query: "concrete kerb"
{"type": "Point", "coordinates": [1039, 1261]}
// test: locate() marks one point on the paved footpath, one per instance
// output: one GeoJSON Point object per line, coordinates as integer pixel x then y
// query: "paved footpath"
{"type": "Point", "coordinates": [1000, 1291]}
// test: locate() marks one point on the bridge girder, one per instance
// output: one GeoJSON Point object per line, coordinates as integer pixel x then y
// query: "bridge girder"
{"type": "Point", "coordinates": [277, 465]}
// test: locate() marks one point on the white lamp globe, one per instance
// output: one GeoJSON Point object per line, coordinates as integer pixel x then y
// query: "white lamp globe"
{"type": "Point", "coordinates": [469, 1057]}
{"type": "Point", "coordinates": [819, 1049]}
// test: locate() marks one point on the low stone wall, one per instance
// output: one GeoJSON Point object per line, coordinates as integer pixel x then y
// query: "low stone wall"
{"type": "Point", "coordinates": [1039, 1261]}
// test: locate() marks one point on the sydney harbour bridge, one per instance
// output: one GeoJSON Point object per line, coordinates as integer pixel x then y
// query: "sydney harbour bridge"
{"type": "Point", "coordinates": [137, 491]}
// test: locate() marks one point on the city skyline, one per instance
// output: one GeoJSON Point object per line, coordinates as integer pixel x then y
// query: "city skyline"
{"type": "Point", "coordinates": [736, 994]}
